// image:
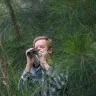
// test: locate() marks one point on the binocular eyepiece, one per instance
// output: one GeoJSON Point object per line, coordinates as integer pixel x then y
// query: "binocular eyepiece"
{"type": "Point", "coordinates": [32, 53]}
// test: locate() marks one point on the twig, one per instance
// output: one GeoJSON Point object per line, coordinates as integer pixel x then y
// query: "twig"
{"type": "Point", "coordinates": [3, 70]}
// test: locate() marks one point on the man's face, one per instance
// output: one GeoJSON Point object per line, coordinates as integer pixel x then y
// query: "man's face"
{"type": "Point", "coordinates": [41, 45]}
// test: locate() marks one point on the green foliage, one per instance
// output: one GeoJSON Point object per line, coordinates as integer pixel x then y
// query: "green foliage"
{"type": "Point", "coordinates": [70, 23]}
{"type": "Point", "coordinates": [79, 44]}
{"type": "Point", "coordinates": [82, 63]}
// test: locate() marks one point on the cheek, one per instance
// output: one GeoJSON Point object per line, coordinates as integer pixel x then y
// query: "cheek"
{"type": "Point", "coordinates": [44, 49]}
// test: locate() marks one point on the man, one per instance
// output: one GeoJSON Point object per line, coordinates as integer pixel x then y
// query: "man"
{"type": "Point", "coordinates": [40, 71]}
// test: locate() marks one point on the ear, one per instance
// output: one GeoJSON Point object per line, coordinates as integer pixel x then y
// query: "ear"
{"type": "Point", "coordinates": [50, 50]}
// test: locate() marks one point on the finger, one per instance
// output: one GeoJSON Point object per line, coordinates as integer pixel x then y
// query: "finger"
{"type": "Point", "coordinates": [28, 50]}
{"type": "Point", "coordinates": [39, 54]}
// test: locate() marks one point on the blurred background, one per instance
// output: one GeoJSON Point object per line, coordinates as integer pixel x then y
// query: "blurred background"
{"type": "Point", "coordinates": [71, 24]}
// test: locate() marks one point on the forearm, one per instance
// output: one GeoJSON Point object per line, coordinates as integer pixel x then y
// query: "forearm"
{"type": "Point", "coordinates": [28, 67]}
{"type": "Point", "coordinates": [45, 65]}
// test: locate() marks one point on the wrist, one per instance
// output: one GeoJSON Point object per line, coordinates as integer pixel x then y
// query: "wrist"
{"type": "Point", "coordinates": [46, 66]}
{"type": "Point", "coordinates": [28, 67]}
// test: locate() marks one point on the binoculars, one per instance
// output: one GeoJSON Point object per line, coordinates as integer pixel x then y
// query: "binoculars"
{"type": "Point", "coordinates": [33, 53]}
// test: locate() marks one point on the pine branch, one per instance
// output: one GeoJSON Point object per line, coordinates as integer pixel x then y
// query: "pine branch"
{"type": "Point", "coordinates": [3, 70]}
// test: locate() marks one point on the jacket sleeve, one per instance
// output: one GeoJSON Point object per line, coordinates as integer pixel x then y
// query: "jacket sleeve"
{"type": "Point", "coordinates": [23, 78]}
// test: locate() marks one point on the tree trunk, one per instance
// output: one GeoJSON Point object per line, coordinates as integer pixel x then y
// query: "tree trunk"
{"type": "Point", "coordinates": [13, 17]}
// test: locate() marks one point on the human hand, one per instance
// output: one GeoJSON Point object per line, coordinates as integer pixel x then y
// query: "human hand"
{"type": "Point", "coordinates": [30, 61]}
{"type": "Point", "coordinates": [42, 55]}
{"type": "Point", "coordinates": [43, 59]}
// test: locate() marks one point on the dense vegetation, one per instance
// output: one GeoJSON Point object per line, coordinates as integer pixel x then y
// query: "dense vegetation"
{"type": "Point", "coordinates": [72, 26]}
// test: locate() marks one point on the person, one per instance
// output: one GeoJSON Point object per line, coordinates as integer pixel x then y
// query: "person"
{"type": "Point", "coordinates": [40, 71]}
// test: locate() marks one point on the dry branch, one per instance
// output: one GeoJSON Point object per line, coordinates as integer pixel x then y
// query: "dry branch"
{"type": "Point", "coordinates": [3, 70]}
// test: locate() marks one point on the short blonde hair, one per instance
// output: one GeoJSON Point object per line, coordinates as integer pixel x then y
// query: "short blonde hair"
{"type": "Point", "coordinates": [44, 38]}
